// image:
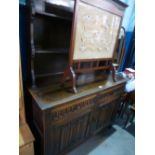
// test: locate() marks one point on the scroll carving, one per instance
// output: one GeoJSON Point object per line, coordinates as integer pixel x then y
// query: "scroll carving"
{"type": "Point", "coordinates": [61, 113]}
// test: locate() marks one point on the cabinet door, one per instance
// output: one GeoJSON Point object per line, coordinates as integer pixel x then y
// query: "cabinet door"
{"type": "Point", "coordinates": [100, 117]}
{"type": "Point", "coordinates": [105, 115]}
{"type": "Point", "coordinates": [61, 137]}
{"type": "Point", "coordinates": [67, 125]}
{"type": "Point", "coordinates": [116, 108]}
{"type": "Point", "coordinates": [105, 108]}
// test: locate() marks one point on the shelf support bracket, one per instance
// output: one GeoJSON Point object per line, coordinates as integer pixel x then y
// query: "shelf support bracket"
{"type": "Point", "coordinates": [69, 73]}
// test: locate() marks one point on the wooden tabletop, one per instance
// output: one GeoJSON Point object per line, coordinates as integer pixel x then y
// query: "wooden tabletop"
{"type": "Point", "coordinates": [47, 97]}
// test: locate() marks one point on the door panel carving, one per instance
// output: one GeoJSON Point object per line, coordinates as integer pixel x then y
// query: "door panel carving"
{"type": "Point", "coordinates": [63, 136]}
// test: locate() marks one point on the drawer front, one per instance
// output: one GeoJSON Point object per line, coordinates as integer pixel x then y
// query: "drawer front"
{"type": "Point", "coordinates": [109, 96]}
{"type": "Point", "coordinates": [70, 111]}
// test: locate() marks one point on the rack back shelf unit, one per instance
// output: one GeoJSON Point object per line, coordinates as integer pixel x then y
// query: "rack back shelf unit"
{"type": "Point", "coordinates": [50, 33]}
{"type": "Point", "coordinates": [73, 37]}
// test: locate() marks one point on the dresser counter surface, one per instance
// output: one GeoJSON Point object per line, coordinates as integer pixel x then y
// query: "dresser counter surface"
{"type": "Point", "coordinates": [49, 97]}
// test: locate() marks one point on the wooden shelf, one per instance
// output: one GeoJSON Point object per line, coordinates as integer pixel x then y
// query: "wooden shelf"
{"type": "Point", "coordinates": [48, 74]}
{"type": "Point", "coordinates": [53, 51]}
{"type": "Point", "coordinates": [45, 14]}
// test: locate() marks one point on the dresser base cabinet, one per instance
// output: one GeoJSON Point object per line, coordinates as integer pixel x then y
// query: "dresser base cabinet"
{"type": "Point", "coordinates": [64, 120]}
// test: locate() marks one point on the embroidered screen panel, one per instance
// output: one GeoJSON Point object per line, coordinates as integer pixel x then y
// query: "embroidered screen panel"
{"type": "Point", "coordinates": [96, 33]}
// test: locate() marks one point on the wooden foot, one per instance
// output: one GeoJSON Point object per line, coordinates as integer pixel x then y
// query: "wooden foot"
{"type": "Point", "coordinates": [69, 73]}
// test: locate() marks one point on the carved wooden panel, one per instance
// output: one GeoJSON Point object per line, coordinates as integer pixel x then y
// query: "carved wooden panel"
{"type": "Point", "coordinates": [104, 117]}
{"type": "Point", "coordinates": [96, 32]}
{"type": "Point", "coordinates": [65, 135]}
{"type": "Point", "coordinates": [67, 125]}
{"type": "Point", "coordinates": [70, 110]}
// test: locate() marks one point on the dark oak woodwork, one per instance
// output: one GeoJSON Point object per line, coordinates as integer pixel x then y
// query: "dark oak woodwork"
{"type": "Point", "coordinates": [52, 41]}
{"type": "Point", "coordinates": [64, 120]}
{"type": "Point", "coordinates": [61, 118]}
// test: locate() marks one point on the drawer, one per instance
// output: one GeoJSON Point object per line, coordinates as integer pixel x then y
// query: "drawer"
{"type": "Point", "coordinates": [70, 110]}
{"type": "Point", "coordinates": [109, 96]}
